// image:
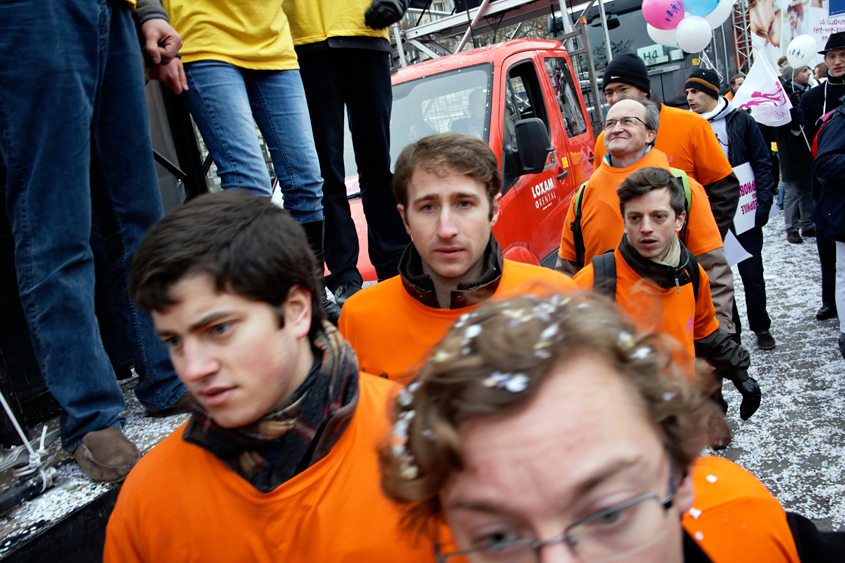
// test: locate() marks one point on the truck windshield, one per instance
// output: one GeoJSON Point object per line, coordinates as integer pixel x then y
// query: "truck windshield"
{"type": "Point", "coordinates": [457, 101]}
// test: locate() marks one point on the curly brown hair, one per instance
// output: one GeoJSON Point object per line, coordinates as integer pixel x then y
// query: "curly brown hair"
{"type": "Point", "coordinates": [529, 336]}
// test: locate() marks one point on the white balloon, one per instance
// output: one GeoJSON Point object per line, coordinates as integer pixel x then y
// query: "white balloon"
{"type": "Point", "coordinates": [693, 34]}
{"type": "Point", "coordinates": [662, 36]}
{"type": "Point", "coordinates": [801, 50]}
{"type": "Point", "coordinates": [722, 12]}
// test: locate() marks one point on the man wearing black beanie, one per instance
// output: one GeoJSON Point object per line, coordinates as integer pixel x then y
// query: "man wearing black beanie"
{"type": "Point", "coordinates": [690, 145]}
{"type": "Point", "coordinates": [741, 141]}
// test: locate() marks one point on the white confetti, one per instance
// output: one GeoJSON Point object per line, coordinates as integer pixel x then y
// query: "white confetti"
{"type": "Point", "coordinates": [699, 536]}
{"type": "Point", "coordinates": [472, 331]}
{"type": "Point", "coordinates": [641, 353]}
{"type": "Point", "coordinates": [712, 478]}
{"type": "Point", "coordinates": [695, 513]}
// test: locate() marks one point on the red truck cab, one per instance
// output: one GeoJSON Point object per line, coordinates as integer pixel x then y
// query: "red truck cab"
{"type": "Point", "coordinates": [522, 98]}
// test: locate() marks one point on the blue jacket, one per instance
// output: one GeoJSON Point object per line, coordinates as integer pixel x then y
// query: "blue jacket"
{"type": "Point", "coordinates": [830, 171]}
{"type": "Point", "coordinates": [746, 144]}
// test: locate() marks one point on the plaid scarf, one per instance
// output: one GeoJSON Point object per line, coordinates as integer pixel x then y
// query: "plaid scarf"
{"type": "Point", "coordinates": [300, 432]}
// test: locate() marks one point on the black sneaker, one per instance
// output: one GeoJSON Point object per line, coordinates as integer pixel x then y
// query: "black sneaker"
{"type": "Point", "coordinates": [794, 238]}
{"type": "Point", "coordinates": [826, 312]}
{"type": "Point", "coordinates": [765, 340]}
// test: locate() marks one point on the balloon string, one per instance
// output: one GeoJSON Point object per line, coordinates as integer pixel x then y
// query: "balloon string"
{"type": "Point", "coordinates": [709, 64]}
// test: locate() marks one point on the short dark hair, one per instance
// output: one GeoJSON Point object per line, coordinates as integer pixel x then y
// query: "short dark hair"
{"type": "Point", "coordinates": [735, 77]}
{"type": "Point", "coordinates": [247, 244]}
{"type": "Point", "coordinates": [791, 8]}
{"type": "Point", "coordinates": [448, 152]}
{"type": "Point", "coordinates": [650, 178]}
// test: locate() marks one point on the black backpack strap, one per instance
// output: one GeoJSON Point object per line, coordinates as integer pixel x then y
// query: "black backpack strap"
{"type": "Point", "coordinates": [575, 226]}
{"type": "Point", "coordinates": [694, 273]}
{"type": "Point", "coordinates": [604, 274]}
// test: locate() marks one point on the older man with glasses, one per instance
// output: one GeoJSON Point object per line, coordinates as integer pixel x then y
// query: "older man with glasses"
{"type": "Point", "coordinates": [595, 226]}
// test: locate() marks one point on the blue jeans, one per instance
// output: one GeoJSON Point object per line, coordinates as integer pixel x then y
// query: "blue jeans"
{"type": "Point", "coordinates": [75, 143]}
{"type": "Point", "coordinates": [227, 101]}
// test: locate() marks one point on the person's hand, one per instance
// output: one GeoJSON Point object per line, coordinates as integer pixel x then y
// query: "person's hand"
{"type": "Point", "coordinates": [162, 42]}
{"type": "Point", "coordinates": [382, 13]}
{"type": "Point", "coordinates": [171, 75]}
{"type": "Point", "coordinates": [760, 220]}
{"type": "Point", "coordinates": [751, 395]}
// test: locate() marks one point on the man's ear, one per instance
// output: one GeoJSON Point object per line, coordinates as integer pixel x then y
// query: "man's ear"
{"type": "Point", "coordinates": [679, 221]}
{"type": "Point", "coordinates": [650, 136]}
{"type": "Point", "coordinates": [401, 209]}
{"type": "Point", "coordinates": [297, 309]}
{"type": "Point", "coordinates": [685, 493]}
{"type": "Point", "coordinates": [496, 209]}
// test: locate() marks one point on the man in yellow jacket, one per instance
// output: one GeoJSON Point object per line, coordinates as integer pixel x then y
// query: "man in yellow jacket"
{"type": "Point", "coordinates": [344, 59]}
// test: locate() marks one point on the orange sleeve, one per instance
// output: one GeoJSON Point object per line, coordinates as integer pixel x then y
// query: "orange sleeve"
{"type": "Point", "coordinates": [729, 95]}
{"type": "Point", "coordinates": [121, 543]}
{"type": "Point", "coordinates": [567, 237]}
{"type": "Point", "coordinates": [711, 164]}
{"type": "Point", "coordinates": [702, 232]}
{"type": "Point", "coordinates": [705, 312]}
{"type": "Point", "coordinates": [585, 277]}
{"type": "Point", "coordinates": [735, 518]}
{"type": "Point", "coordinates": [599, 152]}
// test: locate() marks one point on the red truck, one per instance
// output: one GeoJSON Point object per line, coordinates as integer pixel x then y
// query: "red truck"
{"type": "Point", "coordinates": [523, 99]}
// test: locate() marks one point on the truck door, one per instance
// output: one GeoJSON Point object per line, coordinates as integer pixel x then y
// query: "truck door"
{"type": "Point", "coordinates": [573, 115]}
{"type": "Point", "coordinates": [541, 196]}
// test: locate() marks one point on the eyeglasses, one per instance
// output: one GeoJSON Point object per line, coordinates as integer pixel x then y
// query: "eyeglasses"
{"type": "Point", "coordinates": [625, 121]}
{"type": "Point", "coordinates": [607, 535]}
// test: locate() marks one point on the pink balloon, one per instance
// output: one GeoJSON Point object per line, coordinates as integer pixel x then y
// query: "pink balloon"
{"type": "Point", "coordinates": [663, 14]}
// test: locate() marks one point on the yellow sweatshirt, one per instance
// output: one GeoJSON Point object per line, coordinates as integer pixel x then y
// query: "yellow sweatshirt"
{"type": "Point", "coordinates": [253, 35]}
{"type": "Point", "coordinates": [312, 21]}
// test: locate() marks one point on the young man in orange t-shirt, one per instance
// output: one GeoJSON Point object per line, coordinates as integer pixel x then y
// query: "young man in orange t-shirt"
{"type": "Point", "coordinates": [448, 187]}
{"type": "Point", "coordinates": [652, 271]}
{"type": "Point", "coordinates": [687, 139]}
{"type": "Point", "coordinates": [278, 461]}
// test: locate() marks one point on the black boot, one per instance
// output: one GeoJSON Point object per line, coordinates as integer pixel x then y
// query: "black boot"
{"type": "Point", "coordinates": [314, 232]}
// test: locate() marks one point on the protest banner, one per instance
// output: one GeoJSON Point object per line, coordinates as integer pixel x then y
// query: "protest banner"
{"type": "Point", "coordinates": [763, 95]}
{"type": "Point", "coordinates": [746, 209]}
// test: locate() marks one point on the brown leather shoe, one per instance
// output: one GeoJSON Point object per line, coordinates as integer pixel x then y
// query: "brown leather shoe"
{"type": "Point", "coordinates": [181, 406]}
{"type": "Point", "coordinates": [106, 455]}
{"type": "Point", "coordinates": [718, 433]}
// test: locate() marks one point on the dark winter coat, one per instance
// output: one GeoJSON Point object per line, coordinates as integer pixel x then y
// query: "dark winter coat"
{"type": "Point", "coordinates": [746, 144]}
{"type": "Point", "coordinates": [830, 171]}
{"type": "Point", "coordinates": [793, 152]}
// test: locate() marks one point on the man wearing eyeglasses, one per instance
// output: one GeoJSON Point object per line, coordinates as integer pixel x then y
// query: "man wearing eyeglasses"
{"type": "Point", "coordinates": [551, 431]}
{"type": "Point", "coordinates": [629, 136]}
{"type": "Point", "coordinates": [687, 141]}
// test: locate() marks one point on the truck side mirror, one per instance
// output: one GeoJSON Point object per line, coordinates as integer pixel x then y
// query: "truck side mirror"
{"type": "Point", "coordinates": [532, 145]}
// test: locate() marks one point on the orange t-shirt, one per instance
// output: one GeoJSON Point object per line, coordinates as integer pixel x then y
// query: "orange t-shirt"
{"type": "Point", "coordinates": [601, 220]}
{"type": "Point", "coordinates": [181, 503]}
{"type": "Point", "coordinates": [688, 142]}
{"type": "Point", "coordinates": [392, 332]}
{"type": "Point", "coordinates": [654, 309]}
{"type": "Point", "coordinates": [734, 518]}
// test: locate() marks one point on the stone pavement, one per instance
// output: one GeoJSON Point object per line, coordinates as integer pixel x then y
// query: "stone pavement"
{"type": "Point", "coordinates": [795, 443]}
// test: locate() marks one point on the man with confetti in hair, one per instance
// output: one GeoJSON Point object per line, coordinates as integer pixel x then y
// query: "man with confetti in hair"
{"type": "Point", "coordinates": [651, 270]}
{"type": "Point", "coordinates": [448, 187]}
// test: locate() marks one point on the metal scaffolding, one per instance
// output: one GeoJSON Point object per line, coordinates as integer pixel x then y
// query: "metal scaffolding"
{"type": "Point", "coordinates": [742, 36]}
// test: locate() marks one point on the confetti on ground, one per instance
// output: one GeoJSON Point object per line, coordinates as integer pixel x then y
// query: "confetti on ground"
{"type": "Point", "coordinates": [795, 443]}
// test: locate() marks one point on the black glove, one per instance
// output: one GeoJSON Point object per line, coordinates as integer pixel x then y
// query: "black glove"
{"type": "Point", "coordinates": [382, 13]}
{"type": "Point", "coordinates": [760, 220]}
{"type": "Point", "coordinates": [751, 395]}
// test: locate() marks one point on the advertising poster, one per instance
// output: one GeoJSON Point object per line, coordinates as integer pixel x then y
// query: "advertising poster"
{"type": "Point", "coordinates": [774, 23]}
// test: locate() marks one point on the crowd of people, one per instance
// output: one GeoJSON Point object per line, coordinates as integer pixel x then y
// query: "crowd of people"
{"type": "Point", "coordinates": [466, 407]}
